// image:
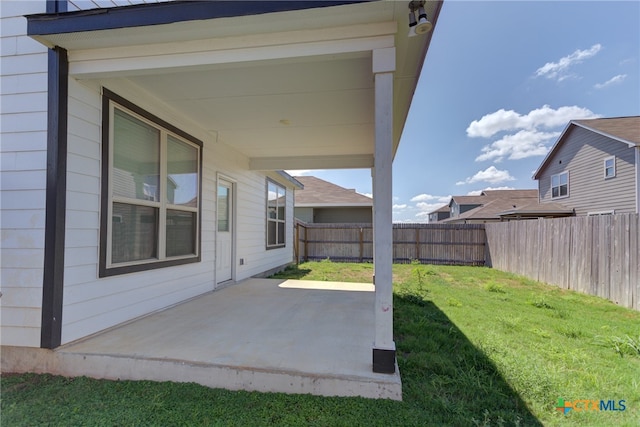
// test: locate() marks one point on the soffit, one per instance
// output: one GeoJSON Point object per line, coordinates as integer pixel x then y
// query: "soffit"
{"type": "Point", "coordinates": [317, 108]}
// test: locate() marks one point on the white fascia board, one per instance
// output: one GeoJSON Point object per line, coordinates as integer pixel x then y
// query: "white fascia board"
{"type": "Point", "coordinates": [171, 57]}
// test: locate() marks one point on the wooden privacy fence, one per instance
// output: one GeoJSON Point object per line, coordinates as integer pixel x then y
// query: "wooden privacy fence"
{"type": "Point", "coordinates": [597, 255]}
{"type": "Point", "coordinates": [452, 244]}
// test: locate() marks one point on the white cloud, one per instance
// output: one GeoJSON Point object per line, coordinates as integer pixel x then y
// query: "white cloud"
{"type": "Point", "coordinates": [420, 208]}
{"type": "Point", "coordinates": [423, 206]}
{"type": "Point", "coordinates": [559, 70]}
{"type": "Point", "coordinates": [426, 208]}
{"type": "Point", "coordinates": [423, 197]}
{"type": "Point", "coordinates": [612, 81]}
{"type": "Point", "coordinates": [490, 174]}
{"type": "Point", "coordinates": [519, 146]}
{"type": "Point", "coordinates": [524, 135]}
{"type": "Point", "coordinates": [428, 197]}
{"type": "Point", "coordinates": [545, 117]}
{"type": "Point", "coordinates": [369, 195]}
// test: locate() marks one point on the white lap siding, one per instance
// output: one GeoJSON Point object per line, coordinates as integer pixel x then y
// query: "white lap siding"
{"type": "Point", "coordinates": [23, 154]}
{"type": "Point", "coordinates": [91, 303]}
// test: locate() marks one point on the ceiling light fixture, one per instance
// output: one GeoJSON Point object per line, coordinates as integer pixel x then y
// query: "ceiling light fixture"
{"type": "Point", "coordinates": [422, 24]}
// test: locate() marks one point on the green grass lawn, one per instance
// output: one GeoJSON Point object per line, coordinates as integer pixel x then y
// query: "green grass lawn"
{"type": "Point", "coordinates": [476, 347]}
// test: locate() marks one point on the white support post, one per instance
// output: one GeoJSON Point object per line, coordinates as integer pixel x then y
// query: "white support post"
{"type": "Point", "coordinates": [384, 349]}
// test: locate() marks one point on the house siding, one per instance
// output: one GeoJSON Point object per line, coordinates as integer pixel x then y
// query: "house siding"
{"type": "Point", "coordinates": [342, 215]}
{"type": "Point", "coordinates": [23, 155]}
{"type": "Point", "coordinates": [304, 214]}
{"type": "Point", "coordinates": [582, 154]}
{"type": "Point", "coordinates": [91, 303]}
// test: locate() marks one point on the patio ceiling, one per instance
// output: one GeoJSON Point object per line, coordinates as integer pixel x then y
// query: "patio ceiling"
{"type": "Point", "coordinates": [282, 108]}
{"type": "Point", "coordinates": [290, 90]}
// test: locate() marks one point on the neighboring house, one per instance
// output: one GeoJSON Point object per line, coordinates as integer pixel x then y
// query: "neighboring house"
{"type": "Point", "coordinates": [440, 214]}
{"type": "Point", "coordinates": [320, 201]}
{"type": "Point", "coordinates": [594, 167]}
{"type": "Point", "coordinates": [458, 205]}
{"type": "Point", "coordinates": [501, 205]}
{"type": "Point", "coordinates": [142, 148]}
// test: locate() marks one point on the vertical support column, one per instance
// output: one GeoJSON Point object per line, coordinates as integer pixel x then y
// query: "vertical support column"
{"type": "Point", "coordinates": [384, 348]}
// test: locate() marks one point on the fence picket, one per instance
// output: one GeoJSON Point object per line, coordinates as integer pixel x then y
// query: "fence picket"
{"type": "Point", "coordinates": [459, 244]}
{"type": "Point", "coordinates": [598, 255]}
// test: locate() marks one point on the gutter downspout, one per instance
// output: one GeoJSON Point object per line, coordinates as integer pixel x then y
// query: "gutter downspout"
{"type": "Point", "coordinates": [56, 191]}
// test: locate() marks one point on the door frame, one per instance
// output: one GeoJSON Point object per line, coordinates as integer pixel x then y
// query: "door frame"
{"type": "Point", "coordinates": [232, 215]}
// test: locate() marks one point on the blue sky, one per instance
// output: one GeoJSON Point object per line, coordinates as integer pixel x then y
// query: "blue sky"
{"type": "Point", "coordinates": [500, 82]}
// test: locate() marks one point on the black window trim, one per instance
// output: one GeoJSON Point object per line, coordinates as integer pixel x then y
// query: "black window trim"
{"type": "Point", "coordinates": [103, 271]}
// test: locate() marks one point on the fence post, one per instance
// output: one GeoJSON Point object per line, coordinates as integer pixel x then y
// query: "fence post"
{"type": "Point", "coordinates": [296, 244]}
{"type": "Point", "coordinates": [306, 245]}
{"type": "Point", "coordinates": [361, 244]}
{"type": "Point", "coordinates": [418, 243]}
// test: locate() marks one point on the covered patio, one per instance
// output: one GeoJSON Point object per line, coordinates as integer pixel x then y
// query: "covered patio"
{"type": "Point", "coordinates": [266, 335]}
{"type": "Point", "coordinates": [262, 87]}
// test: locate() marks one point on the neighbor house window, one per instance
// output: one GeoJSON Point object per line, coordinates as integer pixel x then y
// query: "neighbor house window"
{"type": "Point", "coordinates": [560, 185]}
{"type": "Point", "coordinates": [151, 181]}
{"type": "Point", "coordinates": [276, 203]}
{"type": "Point", "coordinates": [610, 167]}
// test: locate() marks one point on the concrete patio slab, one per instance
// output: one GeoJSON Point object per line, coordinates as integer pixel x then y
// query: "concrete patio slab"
{"type": "Point", "coordinates": [267, 335]}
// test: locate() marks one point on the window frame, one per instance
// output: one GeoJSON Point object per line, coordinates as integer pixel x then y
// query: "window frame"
{"type": "Point", "coordinates": [111, 101]}
{"type": "Point", "coordinates": [276, 220]}
{"type": "Point", "coordinates": [613, 167]}
{"type": "Point", "coordinates": [551, 186]}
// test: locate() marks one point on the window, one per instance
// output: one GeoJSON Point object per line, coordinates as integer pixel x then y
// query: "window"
{"type": "Point", "coordinates": [151, 179]}
{"type": "Point", "coordinates": [223, 208]}
{"type": "Point", "coordinates": [560, 185]}
{"type": "Point", "coordinates": [600, 213]}
{"type": "Point", "coordinates": [276, 203]}
{"type": "Point", "coordinates": [610, 167]}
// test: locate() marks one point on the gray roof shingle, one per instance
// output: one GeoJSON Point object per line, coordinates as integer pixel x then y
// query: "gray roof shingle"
{"type": "Point", "coordinates": [318, 192]}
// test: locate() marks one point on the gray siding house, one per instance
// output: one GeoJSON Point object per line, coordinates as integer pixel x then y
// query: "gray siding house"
{"type": "Point", "coordinates": [594, 167]}
{"type": "Point", "coordinates": [439, 214]}
{"type": "Point", "coordinates": [501, 205]}
{"type": "Point", "coordinates": [321, 201]}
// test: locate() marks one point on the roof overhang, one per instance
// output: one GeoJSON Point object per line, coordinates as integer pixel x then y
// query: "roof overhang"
{"type": "Point", "coordinates": [291, 181]}
{"type": "Point", "coordinates": [535, 214]}
{"type": "Point", "coordinates": [165, 22]}
{"type": "Point", "coordinates": [289, 84]}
